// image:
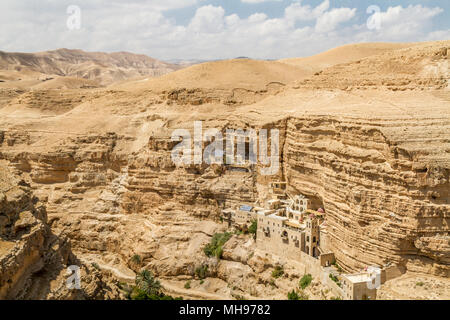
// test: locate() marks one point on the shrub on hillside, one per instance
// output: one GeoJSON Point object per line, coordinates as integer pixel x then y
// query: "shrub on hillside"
{"type": "Point", "coordinates": [214, 248]}
{"type": "Point", "coordinates": [277, 272]}
{"type": "Point", "coordinates": [305, 281]}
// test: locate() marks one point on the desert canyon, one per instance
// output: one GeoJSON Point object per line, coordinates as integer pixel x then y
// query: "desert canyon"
{"type": "Point", "coordinates": [87, 179]}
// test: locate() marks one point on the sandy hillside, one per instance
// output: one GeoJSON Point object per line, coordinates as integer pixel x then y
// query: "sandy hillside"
{"type": "Point", "coordinates": [344, 54]}
{"type": "Point", "coordinates": [258, 75]}
{"type": "Point", "coordinates": [419, 67]}
{"type": "Point", "coordinates": [228, 74]}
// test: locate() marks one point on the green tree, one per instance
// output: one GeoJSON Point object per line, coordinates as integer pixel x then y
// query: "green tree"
{"type": "Point", "coordinates": [147, 288]}
{"type": "Point", "coordinates": [293, 295]}
{"type": "Point", "coordinates": [214, 248]}
{"type": "Point", "coordinates": [146, 282]}
{"type": "Point", "coordinates": [253, 228]}
{"type": "Point", "coordinates": [305, 281]}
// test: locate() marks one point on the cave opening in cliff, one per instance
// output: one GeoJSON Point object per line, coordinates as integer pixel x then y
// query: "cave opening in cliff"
{"type": "Point", "coordinates": [315, 202]}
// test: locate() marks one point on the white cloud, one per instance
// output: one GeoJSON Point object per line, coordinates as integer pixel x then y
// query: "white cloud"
{"type": "Point", "coordinates": [257, 17]}
{"type": "Point", "coordinates": [399, 22]}
{"type": "Point", "coordinates": [142, 26]}
{"type": "Point", "coordinates": [412, 23]}
{"type": "Point", "coordinates": [208, 19]}
{"type": "Point", "coordinates": [297, 12]}
{"type": "Point", "coordinates": [438, 35]}
{"type": "Point", "coordinates": [329, 20]}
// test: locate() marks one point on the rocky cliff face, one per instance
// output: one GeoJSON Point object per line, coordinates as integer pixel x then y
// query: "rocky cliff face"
{"type": "Point", "coordinates": [22, 231]}
{"type": "Point", "coordinates": [384, 205]}
{"type": "Point", "coordinates": [33, 260]}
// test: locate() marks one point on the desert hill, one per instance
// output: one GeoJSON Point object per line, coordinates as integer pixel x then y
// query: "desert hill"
{"type": "Point", "coordinates": [257, 74]}
{"type": "Point", "coordinates": [343, 54]}
{"type": "Point", "coordinates": [416, 67]}
{"type": "Point", "coordinates": [230, 82]}
{"type": "Point", "coordinates": [246, 81]}
{"type": "Point", "coordinates": [103, 67]}
{"type": "Point", "coordinates": [227, 74]}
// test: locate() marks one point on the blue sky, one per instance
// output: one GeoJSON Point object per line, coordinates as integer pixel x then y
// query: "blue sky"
{"type": "Point", "coordinates": [275, 9]}
{"type": "Point", "coordinates": [214, 29]}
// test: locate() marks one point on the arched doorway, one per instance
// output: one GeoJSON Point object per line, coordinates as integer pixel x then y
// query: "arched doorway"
{"type": "Point", "coordinates": [285, 236]}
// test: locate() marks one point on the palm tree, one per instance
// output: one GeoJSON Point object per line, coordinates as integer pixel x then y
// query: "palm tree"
{"type": "Point", "coordinates": [146, 282]}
